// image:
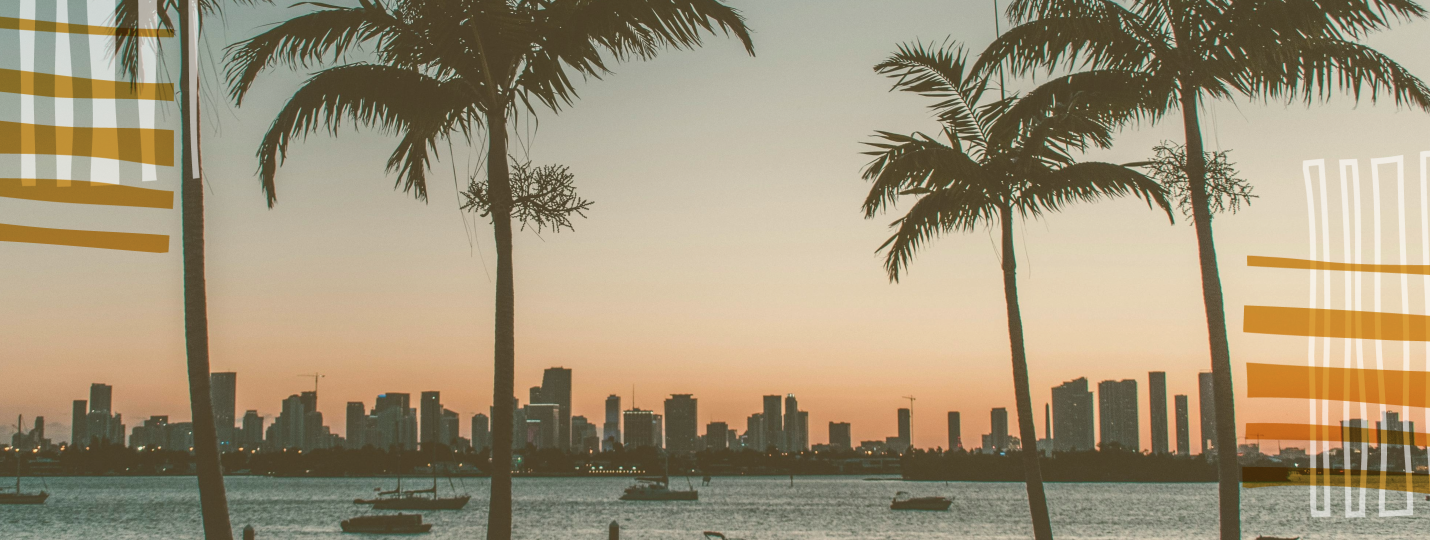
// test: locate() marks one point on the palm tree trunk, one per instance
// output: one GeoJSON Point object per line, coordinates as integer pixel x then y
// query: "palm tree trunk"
{"type": "Point", "coordinates": [1228, 468]}
{"type": "Point", "coordinates": [1032, 469]}
{"type": "Point", "coordinates": [504, 363]}
{"type": "Point", "coordinates": [208, 466]}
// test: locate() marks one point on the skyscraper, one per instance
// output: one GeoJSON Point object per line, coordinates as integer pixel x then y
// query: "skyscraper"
{"type": "Point", "coordinates": [100, 397]}
{"type": "Point", "coordinates": [543, 422]}
{"type": "Point", "coordinates": [481, 436]}
{"type": "Point", "coordinates": [79, 418]}
{"type": "Point", "coordinates": [223, 387]}
{"type": "Point", "coordinates": [431, 419]}
{"type": "Point", "coordinates": [716, 436]}
{"type": "Point", "coordinates": [556, 388]}
{"type": "Point", "coordinates": [1072, 417]}
{"type": "Point", "coordinates": [611, 430]}
{"type": "Point", "coordinates": [356, 418]}
{"type": "Point", "coordinates": [802, 431]}
{"type": "Point", "coordinates": [396, 421]}
{"type": "Point", "coordinates": [755, 432]}
{"type": "Point", "coordinates": [1184, 434]}
{"type": "Point", "coordinates": [839, 436]}
{"type": "Point", "coordinates": [1117, 409]}
{"type": "Point", "coordinates": [791, 425]}
{"type": "Point", "coordinates": [580, 427]}
{"type": "Point", "coordinates": [102, 424]}
{"type": "Point", "coordinates": [998, 432]}
{"type": "Point", "coordinates": [681, 430]}
{"type": "Point", "coordinates": [774, 429]}
{"type": "Point", "coordinates": [1157, 392]}
{"type": "Point", "coordinates": [1208, 411]}
{"type": "Point", "coordinates": [640, 429]}
{"type": "Point", "coordinates": [252, 431]}
{"type": "Point", "coordinates": [905, 430]}
{"type": "Point", "coordinates": [451, 428]}
{"type": "Point", "coordinates": [955, 431]}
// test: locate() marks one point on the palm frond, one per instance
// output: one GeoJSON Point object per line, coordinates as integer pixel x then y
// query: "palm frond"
{"type": "Point", "coordinates": [943, 211]}
{"type": "Point", "coordinates": [942, 73]}
{"type": "Point", "coordinates": [1315, 67]}
{"type": "Point", "coordinates": [302, 41]}
{"type": "Point", "coordinates": [914, 163]}
{"type": "Point", "coordinates": [1089, 182]}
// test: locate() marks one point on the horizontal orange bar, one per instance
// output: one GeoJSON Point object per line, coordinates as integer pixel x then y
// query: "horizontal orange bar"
{"type": "Point", "coordinates": [81, 192]}
{"type": "Point", "coordinates": [149, 146]}
{"type": "Point", "coordinates": [1311, 432]}
{"type": "Point", "coordinates": [1306, 264]}
{"type": "Point", "coordinates": [11, 23]}
{"type": "Point", "coordinates": [61, 86]}
{"type": "Point", "coordinates": [1336, 479]}
{"type": "Point", "coordinates": [1335, 323]}
{"type": "Point", "coordinates": [1382, 386]}
{"type": "Point", "coordinates": [151, 243]}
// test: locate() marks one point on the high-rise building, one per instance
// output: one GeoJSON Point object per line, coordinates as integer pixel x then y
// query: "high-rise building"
{"type": "Point", "coordinates": [252, 431]}
{"type": "Point", "coordinates": [681, 432]}
{"type": "Point", "coordinates": [1157, 392]}
{"type": "Point", "coordinates": [291, 424]}
{"type": "Point", "coordinates": [659, 430]}
{"type": "Point", "coordinates": [998, 432]}
{"type": "Point", "coordinates": [543, 425]}
{"type": "Point", "coordinates": [1072, 417]}
{"type": "Point", "coordinates": [556, 388]}
{"type": "Point", "coordinates": [430, 425]}
{"type": "Point", "coordinates": [579, 429]}
{"type": "Point", "coordinates": [640, 430]}
{"type": "Point", "coordinates": [955, 431]}
{"type": "Point", "coordinates": [774, 428]}
{"type": "Point", "coordinates": [101, 398]}
{"type": "Point", "coordinates": [717, 436]}
{"type": "Point", "coordinates": [905, 429]}
{"type": "Point", "coordinates": [451, 429]}
{"type": "Point", "coordinates": [1184, 434]}
{"type": "Point", "coordinates": [611, 430]}
{"type": "Point", "coordinates": [396, 421]}
{"type": "Point", "coordinates": [1117, 412]}
{"type": "Point", "coordinates": [222, 392]}
{"type": "Point", "coordinates": [801, 424]}
{"type": "Point", "coordinates": [839, 436]}
{"type": "Point", "coordinates": [102, 424]}
{"type": "Point", "coordinates": [1206, 405]}
{"type": "Point", "coordinates": [755, 432]}
{"type": "Point", "coordinates": [79, 419]}
{"type": "Point", "coordinates": [481, 437]}
{"type": "Point", "coordinates": [792, 442]}
{"type": "Point", "coordinates": [356, 420]}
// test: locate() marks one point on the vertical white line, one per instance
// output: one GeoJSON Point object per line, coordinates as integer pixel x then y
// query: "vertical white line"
{"type": "Point", "coordinates": [148, 61]}
{"type": "Point", "coordinates": [192, 96]}
{"type": "Point", "coordinates": [64, 107]}
{"type": "Point", "coordinates": [1405, 344]}
{"type": "Point", "coordinates": [1320, 164]}
{"type": "Point", "coordinates": [1355, 245]}
{"type": "Point", "coordinates": [27, 101]}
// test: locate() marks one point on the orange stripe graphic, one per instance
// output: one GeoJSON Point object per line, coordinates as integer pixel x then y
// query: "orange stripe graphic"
{"type": "Point", "coordinates": [1310, 432]}
{"type": "Point", "coordinates": [11, 23]}
{"type": "Point", "coordinates": [1259, 477]}
{"type": "Point", "coordinates": [1335, 323]}
{"type": "Point", "coordinates": [1382, 386]}
{"type": "Point", "coordinates": [60, 86]}
{"type": "Point", "coordinates": [151, 243]}
{"type": "Point", "coordinates": [1305, 264]}
{"type": "Point", "coordinates": [81, 192]}
{"type": "Point", "coordinates": [150, 146]}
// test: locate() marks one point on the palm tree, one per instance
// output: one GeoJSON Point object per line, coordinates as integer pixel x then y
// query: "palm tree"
{"type": "Point", "coordinates": [208, 464]}
{"type": "Point", "coordinates": [1007, 156]}
{"type": "Point", "coordinates": [447, 68]}
{"type": "Point", "coordinates": [1185, 51]}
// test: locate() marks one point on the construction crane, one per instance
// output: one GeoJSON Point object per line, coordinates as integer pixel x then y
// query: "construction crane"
{"type": "Point", "coordinates": [911, 404]}
{"type": "Point", "coordinates": [315, 377]}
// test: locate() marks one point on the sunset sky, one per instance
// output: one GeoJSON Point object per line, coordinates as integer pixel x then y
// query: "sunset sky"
{"type": "Point", "coordinates": [725, 256]}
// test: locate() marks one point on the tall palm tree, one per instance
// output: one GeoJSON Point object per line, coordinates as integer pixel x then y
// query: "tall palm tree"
{"type": "Point", "coordinates": [1186, 51]}
{"type": "Point", "coordinates": [1008, 156]}
{"type": "Point", "coordinates": [128, 14]}
{"type": "Point", "coordinates": [447, 68]}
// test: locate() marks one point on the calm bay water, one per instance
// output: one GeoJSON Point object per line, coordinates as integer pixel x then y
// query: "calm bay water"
{"type": "Point", "coordinates": [751, 508]}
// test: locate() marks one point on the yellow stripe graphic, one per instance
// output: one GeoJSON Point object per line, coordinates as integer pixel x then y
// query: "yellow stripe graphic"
{"type": "Point", "coordinates": [1304, 264]}
{"type": "Point", "coordinates": [81, 192]}
{"type": "Point", "coordinates": [151, 243]}
{"type": "Point", "coordinates": [61, 86]}
{"type": "Point", "coordinates": [11, 23]}
{"type": "Point", "coordinates": [1335, 323]}
{"type": "Point", "coordinates": [149, 146]}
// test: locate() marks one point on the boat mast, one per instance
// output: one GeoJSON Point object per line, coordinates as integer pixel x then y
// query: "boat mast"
{"type": "Point", "coordinates": [19, 428]}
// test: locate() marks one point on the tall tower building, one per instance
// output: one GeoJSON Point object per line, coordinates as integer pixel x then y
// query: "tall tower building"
{"type": "Point", "coordinates": [1157, 392]}
{"type": "Point", "coordinates": [252, 431]}
{"type": "Point", "coordinates": [1072, 417]}
{"type": "Point", "coordinates": [100, 398]}
{"type": "Point", "coordinates": [681, 430]}
{"type": "Point", "coordinates": [839, 436]}
{"type": "Point", "coordinates": [556, 388]}
{"type": "Point", "coordinates": [1205, 403]}
{"type": "Point", "coordinates": [755, 432]}
{"type": "Point", "coordinates": [611, 431]}
{"type": "Point", "coordinates": [1117, 409]}
{"type": "Point", "coordinates": [431, 420]}
{"type": "Point", "coordinates": [905, 429]}
{"type": "Point", "coordinates": [774, 428]}
{"type": "Point", "coordinates": [716, 436]}
{"type": "Point", "coordinates": [998, 434]}
{"type": "Point", "coordinates": [222, 390]}
{"type": "Point", "coordinates": [79, 419]}
{"type": "Point", "coordinates": [955, 431]}
{"type": "Point", "coordinates": [640, 430]}
{"type": "Point", "coordinates": [1184, 435]}
{"type": "Point", "coordinates": [791, 424]}
{"type": "Point", "coordinates": [481, 437]}
{"type": "Point", "coordinates": [356, 418]}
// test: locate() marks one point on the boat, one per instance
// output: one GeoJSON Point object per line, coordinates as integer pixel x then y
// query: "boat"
{"type": "Point", "coordinates": [20, 497]}
{"type": "Point", "coordinates": [386, 524]}
{"type": "Point", "coordinates": [657, 488]}
{"type": "Point", "coordinates": [902, 501]}
{"type": "Point", "coordinates": [415, 499]}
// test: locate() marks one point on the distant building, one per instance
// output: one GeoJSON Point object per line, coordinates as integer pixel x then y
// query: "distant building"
{"type": "Point", "coordinates": [1117, 412]}
{"type": "Point", "coordinates": [717, 436]}
{"type": "Point", "coordinates": [1391, 435]}
{"type": "Point", "coordinates": [640, 429]}
{"type": "Point", "coordinates": [1157, 393]}
{"type": "Point", "coordinates": [102, 425]}
{"type": "Point", "coordinates": [755, 433]}
{"type": "Point", "coordinates": [153, 434]}
{"type": "Point", "coordinates": [396, 421]}
{"type": "Point", "coordinates": [583, 436]}
{"type": "Point", "coordinates": [556, 388]}
{"type": "Point", "coordinates": [79, 420]}
{"type": "Point", "coordinates": [356, 420]}
{"type": "Point", "coordinates": [543, 421]}
{"type": "Point", "coordinates": [906, 439]}
{"type": "Point", "coordinates": [611, 430]}
{"type": "Point", "coordinates": [839, 436]}
{"type": "Point", "coordinates": [681, 434]}
{"type": "Point", "coordinates": [774, 428]}
{"type": "Point", "coordinates": [34, 440]}
{"type": "Point", "coordinates": [955, 431]}
{"type": "Point", "coordinates": [451, 429]}
{"type": "Point", "coordinates": [802, 431]}
{"type": "Point", "coordinates": [481, 436]}
{"type": "Point", "coordinates": [1072, 417]}
{"type": "Point", "coordinates": [222, 392]}
{"type": "Point", "coordinates": [431, 419]}
{"type": "Point", "coordinates": [796, 438]}
{"type": "Point", "coordinates": [997, 439]}
{"type": "Point", "coordinates": [252, 438]}
{"type": "Point", "coordinates": [1355, 443]}
{"type": "Point", "coordinates": [1205, 402]}
{"type": "Point", "coordinates": [1184, 435]}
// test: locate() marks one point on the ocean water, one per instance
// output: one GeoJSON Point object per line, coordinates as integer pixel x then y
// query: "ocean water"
{"type": "Point", "coordinates": [751, 508]}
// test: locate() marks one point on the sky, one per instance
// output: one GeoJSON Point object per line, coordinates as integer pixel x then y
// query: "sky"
{"type": "Point", "coordinates": [725, 256]}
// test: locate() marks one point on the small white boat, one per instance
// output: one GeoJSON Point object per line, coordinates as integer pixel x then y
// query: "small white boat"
{"type": "Point", "coordinates": [657, 488]}
{"type": "Point", "coordinates": [903, 501]}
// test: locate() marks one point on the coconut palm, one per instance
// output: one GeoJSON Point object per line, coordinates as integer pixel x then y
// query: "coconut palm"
{"type": "Point", "coordinates": [442, 69]}
{"type": "Point", "coordinates": [128, 14]}
{"type": "Point", "coordinates": [991, 161]}
{"type": "Point", "coordinates": [1184, 52]}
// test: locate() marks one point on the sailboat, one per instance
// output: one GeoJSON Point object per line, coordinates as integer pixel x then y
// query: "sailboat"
{"type": "Point", "coordinates": [20, 497]}
{"type": "Point", "coordinates": [415, 499]}
{"type": "Point", "coordinates": [657, 488]}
